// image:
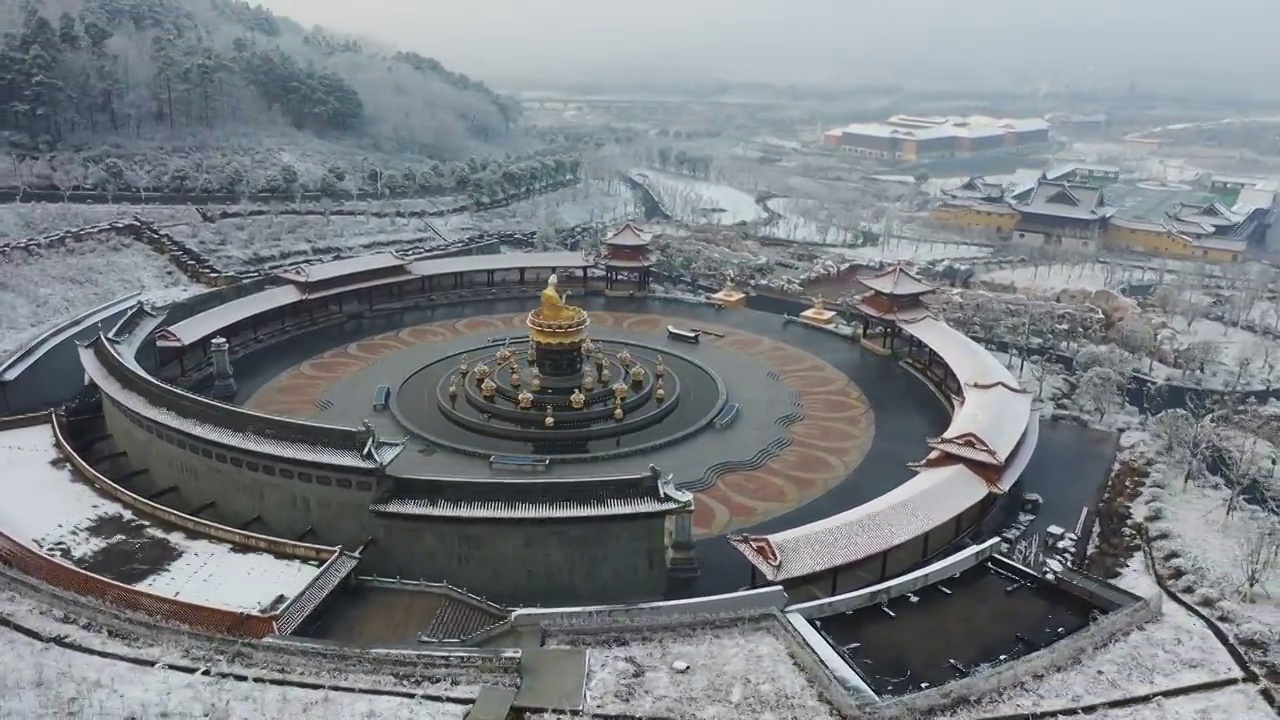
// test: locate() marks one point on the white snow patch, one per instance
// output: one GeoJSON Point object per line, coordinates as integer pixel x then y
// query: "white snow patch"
{"type": "Point", "coordinates": [700, 201]}
{"type": "Point", "coordinates": [742, 671]}
{"type": "Point", "coordinates": [39, 680]}
{"type": "Point", "coordinates": [1238, 702]}
{"type": "Point", "coordinates": [48, 508]}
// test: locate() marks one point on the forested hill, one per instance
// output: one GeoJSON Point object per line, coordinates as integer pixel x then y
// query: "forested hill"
{"type": "Point", "coordinates": [78, 72]}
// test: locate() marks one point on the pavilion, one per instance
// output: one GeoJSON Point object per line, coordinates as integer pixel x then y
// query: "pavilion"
{"type": "Point", "coordinates": [897, 296]}
{"type": "Point", "coordinates": [626, 258]}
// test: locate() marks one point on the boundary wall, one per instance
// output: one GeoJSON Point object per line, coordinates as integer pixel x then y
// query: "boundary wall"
{"type": "Point", "coordinates": [614, 618]}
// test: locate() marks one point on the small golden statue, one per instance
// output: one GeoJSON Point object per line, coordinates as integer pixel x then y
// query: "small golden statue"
{"type": "Point", "coordinates": [453, 388]}
{"type": "Point", "coordinates": [577, 400]}
{"type": "Point", "coordinates": [619, 391]}
{"type": "Point", "coordinates": [504, 355]}
{"type": "Point", "coordinates": [604, 376]}
{"type": "Point", "coordinates": [524, 400]}
{"type": "Point", "coordinates": [482, 373]}
{"type": "Point", "coordinates": [535, 382]}
{"type": "Point", "coordinates": [532, 355]}
{"type": "Point", "coordinates": [488, 388]}
{"type": "Point", "coordinates": [617, 410]}
{"type": "Point", "coordinates": [588, 380]}
{"type": "Point", "coordinates": [659, 370]}
{"type": "Point", "coordinates": [599, 359]}
{"type": "Point", "coordinates": [659, 392]}
{"type": "Point", "coordinates": [515, 376]}
{"type": "Point", "coordinates": [624, 358]}
{"type": "Point", "coordinates": [553, 307]}
{"type": "Point", "coordinates": [550, 420]}
{"type": "Point", "coordinates": [463, 365]}
{"type": "Point", "coordinates": [819, 302]}
{"type": "Point", "coordinates": [588, 347]}
{"type": "Point", "coordinates": [637, 375]}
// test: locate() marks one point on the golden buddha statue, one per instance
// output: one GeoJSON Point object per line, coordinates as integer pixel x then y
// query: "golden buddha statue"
{"type": "Point", "coordinates": [659, 392]}
{"type": "Point", "coordinates": [660, 369]}
{"type": "Point", "coordinates": [549, 420]}
{"type": "Point", "coordinates": [637, 374]}
{"type": "Point", "coordinates": [515, 376]}
{"type": "Point", "coordinates": [553, 307]}
{"type": "Point", "coordinates": [488, 388]}
{"type": "Point", "coordinates": [504, 355]}
{"type": "Point", "coordinates": [624, 358]}
{"type": "Point", "coordinates": [577, 400]}
{"type": "Point", "coordinates": [619, 391]}
{"type": "Point", "coordinates": [524, 400]}
{"type": "Point", "coordinates": [617, 410]}
{"type": "Point", "coordinates": [482, 372]}
{"type": "Point", "coordinates": [589, 380]}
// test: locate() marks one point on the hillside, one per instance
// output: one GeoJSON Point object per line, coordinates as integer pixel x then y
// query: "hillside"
{"type": "Point", "coordinates": [130, 78]}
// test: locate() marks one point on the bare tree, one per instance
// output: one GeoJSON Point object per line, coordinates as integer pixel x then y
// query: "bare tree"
{"type": "Point", "coordinates": [1258, 554]}
{"type": "Point", "coordinates": [1099, 390]}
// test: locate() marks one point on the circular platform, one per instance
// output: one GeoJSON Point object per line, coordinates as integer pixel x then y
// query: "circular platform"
{"type": "Point", "coordinates": [803, 428]}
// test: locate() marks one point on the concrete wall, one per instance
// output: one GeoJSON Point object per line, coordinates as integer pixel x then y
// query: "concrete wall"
{"type": "Point", "coordinates": [288, 506]}
{"type": "Point", "coordinates": [747, 603]}
{"type": "Point", "coordinates": [994, 220]}
{"type": "Point", "coordinates": [527, 562]}
{"type": "Point", "coordinates": [886, 591]}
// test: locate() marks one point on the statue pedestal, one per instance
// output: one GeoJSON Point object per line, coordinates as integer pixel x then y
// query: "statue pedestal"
{"type": "Point", "coordinates": [730, 298]}
{"type": "Point", "coordinates": [818, 316]}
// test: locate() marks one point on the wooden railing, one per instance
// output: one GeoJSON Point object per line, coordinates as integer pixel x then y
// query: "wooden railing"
{"type": "Point", "coordinates": [235, 536]}
{"type": "Point", "coordinates": [69, 578]}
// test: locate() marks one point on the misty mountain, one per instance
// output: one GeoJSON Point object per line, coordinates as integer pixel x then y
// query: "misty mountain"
{"type": "Point", "coordinates": [76, 73]}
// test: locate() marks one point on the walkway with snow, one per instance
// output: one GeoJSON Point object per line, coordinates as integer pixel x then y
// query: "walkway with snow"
{"type": "Point", "coordinates": [47, 507]}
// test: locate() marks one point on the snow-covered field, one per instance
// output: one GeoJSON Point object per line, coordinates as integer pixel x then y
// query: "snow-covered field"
{"type": "Point", "coordinates": [895, 250]}
{"type": "Point", "coordinates": [1239, 358]}
{"type": "Point", "coordinates": [741, 671]}
{"type": "Point", "coordinates": [26, 220]}
{"type": "Point", "coordinates": [700, 201]}
{"type": "Point", "coordinates": [47, 507]}
{"type": "Point", "coordinates": [44, 286]}
{"type": "Point", "coordinates": [1060, 276]}
{"type": "Point", "coordinates": [593, 201]}
{"type": "Point", "coordinates": [1238, 702]}
{"type": "Point", "coordinates": [44, 681]}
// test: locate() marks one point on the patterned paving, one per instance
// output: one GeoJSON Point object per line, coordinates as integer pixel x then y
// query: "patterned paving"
{"type": "Point", "coordinates": [826, 444]}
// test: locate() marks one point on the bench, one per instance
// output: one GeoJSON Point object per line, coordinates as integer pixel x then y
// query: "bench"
{"type": "Point", "coordinates": [382, 397]}
{"type": "Point", "coordinates": [689, 336]}
{"type": "Point", "coordinates": [525, 463]}
{"type": "Point", "coordinates": [726, 416]}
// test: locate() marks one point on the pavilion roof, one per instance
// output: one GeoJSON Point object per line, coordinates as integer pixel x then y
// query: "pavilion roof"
{"type": "Point", "coordinates": [629, 236]}
{"type": "Point", "coordinates": [897, 280]}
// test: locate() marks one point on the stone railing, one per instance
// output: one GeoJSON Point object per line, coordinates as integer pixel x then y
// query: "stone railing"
{"type": "Point", "coordinates": [501, 660]}
{"type": "Point", "coordinates": [442, 588]}
{"type": "Point", "coordinates": [14, 422]}
{"type": "Point", "coordinates": [610, 618]}
{"type": "Point", "coordinates": [241, 538]}
{"type": "Point", "coordinates": [60, 575]}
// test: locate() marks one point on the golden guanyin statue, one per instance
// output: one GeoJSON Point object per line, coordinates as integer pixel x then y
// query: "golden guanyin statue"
{"type": "Point", "coordinates": [553, 305]}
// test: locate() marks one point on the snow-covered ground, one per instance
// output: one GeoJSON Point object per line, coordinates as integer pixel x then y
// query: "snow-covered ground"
{"type": "Point", "coordinates": [1239, 358]}
{"type": "Point", "coordinates": [1238, 702]}
{"type": "Point", "coordinates": [740, 671]}
{"type": "Point", "coordinates": [38, 680]}
{"type": "Point", "coordinates": [19, 221]}
{"type": "Point", "coordinates": [46, 285]}
{"type": "Point", "coordinates": [47, 507]}
{"type": "Point", "coordinates": [1047, 278]}
{"type": "Point", "coordinates": [902, 250]}
{"type": "Point", "coordinates": [700, 201]}
{"type": "Point", "coordinates": [606, 201]}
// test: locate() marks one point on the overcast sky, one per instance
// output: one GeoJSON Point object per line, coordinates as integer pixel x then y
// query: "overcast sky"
{"type": "Point", "coordinates": [933, 42]}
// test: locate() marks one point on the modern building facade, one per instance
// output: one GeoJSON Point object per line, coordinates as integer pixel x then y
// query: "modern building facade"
{"type": "Point", "coordinates": [907, 138]}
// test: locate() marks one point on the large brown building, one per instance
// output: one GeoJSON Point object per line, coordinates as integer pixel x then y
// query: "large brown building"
{"type": "Point", "coordinates": [910, 139]}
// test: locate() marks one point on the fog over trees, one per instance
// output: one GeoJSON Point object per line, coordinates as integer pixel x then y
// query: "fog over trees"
{"type": "Point", "coordinates": [83, 71]}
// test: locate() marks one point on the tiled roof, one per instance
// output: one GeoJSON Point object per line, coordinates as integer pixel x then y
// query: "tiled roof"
{"type": "Point", "coordinates": [992, 423]}
{"type": "Point", "coordinates": [1065, 200]}
{"type": "Point", "coordinates": [629, 236]}
{"type": "Point", "coordinates": [491, 498]}
{"type": "Point", "coordinates": [229, 425]}
{"type": "Point", "coordinates": [897, 280]}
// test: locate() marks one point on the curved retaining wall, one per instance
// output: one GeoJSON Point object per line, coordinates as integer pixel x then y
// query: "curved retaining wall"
{"type": "Point", "coordinates": [241, 538]}
{"type": "Point", "coordinates": [71, 579]}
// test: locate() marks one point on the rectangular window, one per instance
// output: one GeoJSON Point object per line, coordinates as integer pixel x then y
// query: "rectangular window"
{"type": "Point", "coordinates": [344, 483]}
{"type": "Point", "coordinates": [220, 457]}
{"type": "Point", "coordinates": [286, 473]}
{"type": "Point", "coordinates": [324, 480]}
{"type": "Point", "coordinates": [193, 448]}
{"type": "Point", "coordinates": [206, 453]}
{"type": "Point", "coordinates": [251, 466]}
{"type": "Point", "coordinates": [168, 437]}
{"type": "Point", "coordinates": [182, 444]}
{"type": "Point", "coordinates": [304, 477]}
{"type": "Point", "coordinates": [364, 485]}
{"type": "Point", "coordinates": [269, 470]}
{"type": "Point", "coordinates": [236, 462]}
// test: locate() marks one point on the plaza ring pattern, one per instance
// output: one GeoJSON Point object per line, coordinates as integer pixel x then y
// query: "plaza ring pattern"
{"type": "Point", "coordinates": [827, 442]}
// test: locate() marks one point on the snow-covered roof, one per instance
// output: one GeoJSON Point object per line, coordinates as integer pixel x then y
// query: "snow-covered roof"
{"type": "Point", "coordinates": [1065, 200]}
{"type": "Point", "coordinates": [29, 353]}
{"type": "Point", "coordinates": [228, 425]}
{"type": "Point", "coordinates": [204, 325]}
{"type": "Point", "coordinates": [629, 236]}
{"type": "Point", "coordinates": [320, 272]}
{"type": "Point", "coordinates": [928, 128]}
{"type": "Point", "coordinates": [47, 507]}
{"type": "Point", "coordinates": [492, 498]}
{"type": "Point", "coordinates": [993, 420]}
{"type": "Point", "coordinates": [897, 280]}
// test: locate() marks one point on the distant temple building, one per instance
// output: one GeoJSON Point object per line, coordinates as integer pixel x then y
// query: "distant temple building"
{"type": "Point", "coordinates": [911, 139]}
{"type": "Point", "coordinates": [626, 257]}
